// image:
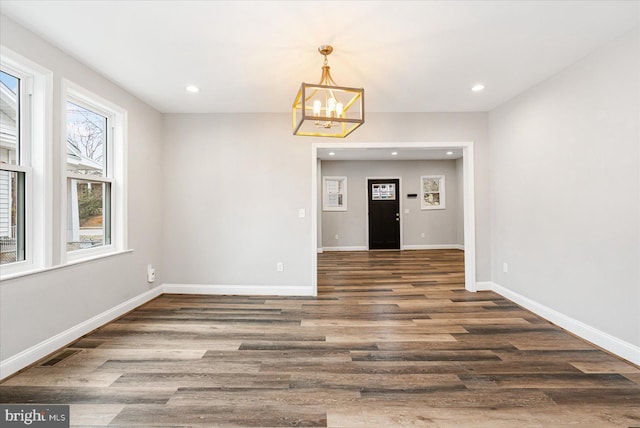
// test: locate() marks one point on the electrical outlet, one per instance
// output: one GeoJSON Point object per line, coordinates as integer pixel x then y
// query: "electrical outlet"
{"type": "Point", "coordinates": [337, 236]}
{"type": "Point", "coordinates": [422, 235]}
{"type": "Point", "coordinates": [151, 273]}
{"type": "Point", "coordinates": [280, 267]}
{"type": "Point", "coordinates": [301, 213]}
{"type": "Point", "coordinates": [505, 267]}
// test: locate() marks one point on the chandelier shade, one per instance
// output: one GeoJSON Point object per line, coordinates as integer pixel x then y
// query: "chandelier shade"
{"type": "Point", "coordinates": [326, 109]}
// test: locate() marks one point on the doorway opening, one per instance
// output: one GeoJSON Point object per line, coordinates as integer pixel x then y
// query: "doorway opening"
{"type": "Point", "coordinates": [363, 151]}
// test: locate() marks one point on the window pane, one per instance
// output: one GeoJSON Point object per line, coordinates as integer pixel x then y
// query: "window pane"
{"type": "Point", "coordinates": [86, 141]}
{"type": "Point", "coordinates": [89, 212]}
{"type": "Point", "coordinates": [9, 119]}
{"type": "Point", "coordinates": [11, 217]}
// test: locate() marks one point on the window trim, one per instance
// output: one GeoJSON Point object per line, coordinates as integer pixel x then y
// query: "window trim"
{"type": "Point", "coordinates": [115, 174]}
{"type": "Point", "coordinates": [342, 204]}
{"type": "Point", "coordinates": [441, 192]}
{"type": "Point", "coordinates": [35, 122]}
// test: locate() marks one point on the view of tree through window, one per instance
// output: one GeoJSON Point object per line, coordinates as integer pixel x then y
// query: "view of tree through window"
{"type": "Point", "coordinates": [86, 138]}
{"type": "Point", "coordinates": [11, 182]}
{"type": "Point", "coordinates": [88, 199]}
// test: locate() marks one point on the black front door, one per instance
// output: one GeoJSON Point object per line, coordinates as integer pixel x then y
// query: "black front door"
{"type": "Point", "coordinates": [384, 214]}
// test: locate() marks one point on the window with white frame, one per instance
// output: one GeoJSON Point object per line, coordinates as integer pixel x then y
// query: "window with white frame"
{"type": "Point", "coordinates": [432, 192]}
{"type": "Point", "coordinates": [14, 168]}
{"type": "Point", "coordinates": [334, 193]}
{"type": "Point", "coordinates": [22, 165]}
{"type": "Point", "coordinates": [94, 165]}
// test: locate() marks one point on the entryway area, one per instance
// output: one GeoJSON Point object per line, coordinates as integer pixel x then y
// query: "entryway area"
{"type": "Point", "coordinates": [394, 196]}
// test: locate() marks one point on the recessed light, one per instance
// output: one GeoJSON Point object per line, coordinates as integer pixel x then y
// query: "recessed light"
{"type": "Point", "coordinates": [193, 89]}
{"type": "Point", "coordinates": [394, 153]}
{"type": "Point", "coordinates": [477, 88]}
{"type": "Point", "coordinates": [331, 154]}
{"type": "Point", "coordinates": [449, 153]}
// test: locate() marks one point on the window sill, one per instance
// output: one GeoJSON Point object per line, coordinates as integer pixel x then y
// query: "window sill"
{"type": "Point", "coordinates": [70, 263]}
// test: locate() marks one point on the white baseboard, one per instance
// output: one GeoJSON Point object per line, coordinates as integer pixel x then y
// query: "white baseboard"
{"type": "Point", "coordinates": [352, 248]}
{"type": "Point", "coordinates": [484, 285]}
{"type": "Point", "coordinates": [604, 340]}
{"type": "Point", "coordinates": [29, 356]}
{"type": "Point", "coordinates": [404, 247]}
{"type": "Point", "coordinates": [434, 247]}
{"type": "Point", "coordinates": [238, 290]}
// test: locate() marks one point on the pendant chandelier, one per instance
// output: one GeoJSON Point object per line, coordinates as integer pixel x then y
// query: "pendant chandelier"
{"type": "Point", "coordinates": [326, 109]}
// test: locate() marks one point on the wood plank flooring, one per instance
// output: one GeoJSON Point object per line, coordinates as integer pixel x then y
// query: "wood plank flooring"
{"type": "Point", "coordinates": [393, 339]}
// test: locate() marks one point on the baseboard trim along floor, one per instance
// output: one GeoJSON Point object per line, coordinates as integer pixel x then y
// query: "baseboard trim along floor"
{"type": "Point", "coordinates": [29, 356]}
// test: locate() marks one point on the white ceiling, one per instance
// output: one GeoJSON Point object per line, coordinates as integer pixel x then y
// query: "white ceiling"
{"type": "Point", "coordinates": [410, 56]}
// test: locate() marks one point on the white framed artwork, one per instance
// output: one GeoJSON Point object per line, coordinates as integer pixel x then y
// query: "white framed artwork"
{"type": "Point", "coordinates": [334, 193]}
{"type": "Point", "coordinates": [432, 194]}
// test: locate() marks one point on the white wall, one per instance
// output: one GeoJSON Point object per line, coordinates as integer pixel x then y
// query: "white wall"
{"type": "Point", "coordinates": [36, 307]}
{"type": "Point", "coordinates": [237, 182]}
{"type": "Point", "coordinates": [566, 191]}
{"type": "Point", "coordinates": [439, 226]}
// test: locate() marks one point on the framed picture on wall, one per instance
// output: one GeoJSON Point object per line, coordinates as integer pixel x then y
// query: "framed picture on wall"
{"type": "Point", "coordinates": [432, 192]}
{"type": "Point", "coordinates": [334, 193]}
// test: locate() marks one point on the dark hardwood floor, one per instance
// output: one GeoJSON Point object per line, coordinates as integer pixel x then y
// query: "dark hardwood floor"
{"type": "Point", "coordinates": [393, 339]}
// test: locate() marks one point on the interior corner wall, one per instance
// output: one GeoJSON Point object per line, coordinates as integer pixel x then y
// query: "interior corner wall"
{"type": "Point", "coordinates": [440, 227]}
{"type": "Point", "coordinates": [36, 307]}
{"type": "Point", "coordinates": [565, 182]}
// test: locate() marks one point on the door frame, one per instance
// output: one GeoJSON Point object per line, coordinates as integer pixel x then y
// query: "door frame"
{"type": "Point", "coordinates": [366, 216]}
{"type": "Point", "coordinates": [468, 199]}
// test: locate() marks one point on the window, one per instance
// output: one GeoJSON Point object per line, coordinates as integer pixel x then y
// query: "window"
{"type": "Point", "coordinates": [88, 178]}
{"type": "Point", "coordinates": [94, 165]}
{"type": "Point", "coordinates": [432, 192]}
{"type": "Point", "coordinates": [23, 221]}
{"type": "Point", "coordinates": [12, 173]}
{"type": "Point", "coordinates": [334, 193]}
{"type": "Point", "coordinates": [383, 191]}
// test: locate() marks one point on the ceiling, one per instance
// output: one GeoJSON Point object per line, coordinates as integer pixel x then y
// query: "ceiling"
{"type": "Point", "coordinates": [410, 56]}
